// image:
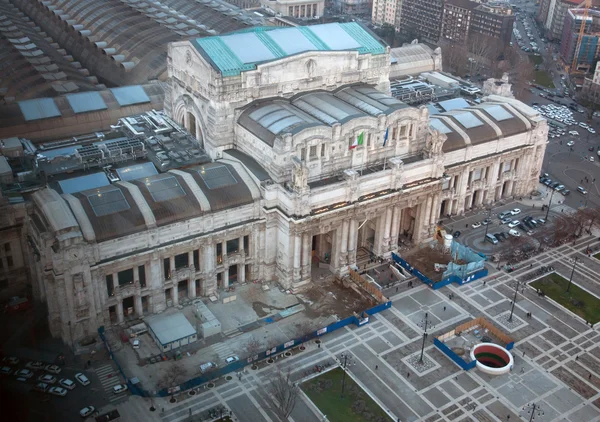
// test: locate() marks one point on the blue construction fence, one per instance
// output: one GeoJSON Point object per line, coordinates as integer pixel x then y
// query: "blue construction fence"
{"type": "Point", "coordinates": [362, 319]}
{"type": "Point", "coordinates": [458, 276]}
{"type": "Point", "coordinates": [455, 358]}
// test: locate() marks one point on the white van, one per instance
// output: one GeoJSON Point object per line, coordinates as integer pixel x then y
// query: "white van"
{"type": "Point", "coordinates": [491, 238]}
{"type": "Point", "coordinates": [208, 366]}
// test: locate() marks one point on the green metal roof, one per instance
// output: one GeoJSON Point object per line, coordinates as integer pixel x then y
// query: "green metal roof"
{"type": "Point", "coordinates": [242, 50]}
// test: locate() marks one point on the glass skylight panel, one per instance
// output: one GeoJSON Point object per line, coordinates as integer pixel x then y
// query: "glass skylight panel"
{"type": "Point", "coordinates": [271, 118]}
{"type": "Point", "coordinates": [334, 36]}
{"type": "Point", "coordinates": [79, 184]}
{"type": "Point", "coordinates": [284, 123]}
{"type": "Point", "coordinates": [40, 108]}
{"type": "Point", "coordinates": [164, 188]}
{"type": "Point", "coordinates": [291, 40]}
{"type": "Point", "coordinates": [136, 171]}
{"type": "Point", "coordinates": [83, 102]}
{"type": "Point", "coordinates": [263, 111]}
{"type": "Point", "coordinates": [217, 177]}
{"type": "Point", "coordinates": [439, 126]}
{"type": "Point", "coordinates": [498, 112]}
{"type": "Point", "coordinates": [453, 104]}
{"type": "Point", "coordinates": [468, 120]}
{"type": "Point", "coordinates": [129, 95]}
{"type": "Point", "coordinates": [248, 47]}
{"type": "Point", "coordinates": [108, 202]}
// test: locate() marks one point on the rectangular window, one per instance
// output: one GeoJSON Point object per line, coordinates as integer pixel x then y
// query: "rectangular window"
{"type": "Point", "coordinates": [9, 261]}
{"type": "Point", "coordinates": [291, 10]}
{"type": "Point", "coordinates": [110, 285]}
{"type": "Point", "coordinates": [181, 261]}
{"type": "Point", "coordinates": [197, 259]}
{"type": "Point", "coordinates": [395, 133]}
{"type": "Point", "coordinates": [7, 247]}
{"type": "Point", "coordinates": [233, 246]}
{"type": "Point", "coordinates": [167, 268]}
{"type": "Point", "coordinates": [219, 253]}
{"type": "Point", "coordinates": [313, 152]}
{"type": "Point", "coordinates": [303, 154]}
{"type": "Point", "coordinates": [323, 151]}
{"type": "Point", "coordinates": [247, 243]}
{"type": "Point", "coordinates": [402, 131]}
{"type": "Point", "coordinates": [125, 277]}
{"type": "Point", "coordinates": [410, 132]}
{"type": "Point", "coordinates": [142, 275]}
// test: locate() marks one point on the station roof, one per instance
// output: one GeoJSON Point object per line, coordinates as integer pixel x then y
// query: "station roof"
{"type": "Point", "coordinates": [480, 123]}
{"type": "Point", "coordinates": [270, 118]}
{"type": "Point", "coordinates": [241, 51]}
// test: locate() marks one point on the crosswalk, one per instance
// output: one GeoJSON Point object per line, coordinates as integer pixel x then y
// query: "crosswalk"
{"type": "Point", "coordinates": [109, 377]}
{"type": "Point", "coordinates": [222, 350]}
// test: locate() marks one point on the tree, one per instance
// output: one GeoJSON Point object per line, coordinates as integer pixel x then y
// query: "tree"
{"type": "Point", "coordinates": [252, 347]}
{"type": "Point", "coordinates": [484, 52]}
{"type": "Point", "coordinates": [172, 377]}
{"type": "Point", "coordinates": [283, 393]}
{"type": "Point", "coordinates": [454, 57]}
{"type": "Point", "coordinates": [302, 330]}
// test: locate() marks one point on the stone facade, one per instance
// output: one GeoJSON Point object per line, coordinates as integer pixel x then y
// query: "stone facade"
{"type": "Point", "coordinates": [317, 203]}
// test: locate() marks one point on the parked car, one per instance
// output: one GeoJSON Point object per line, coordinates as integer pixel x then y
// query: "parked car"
{"type": "Point", "coordinates": [83, 380]}
{"type": "Point", "coordinates": [566, 192]}
{"type": "Point", "coordinates": [24, 373]}
{"type": "Point", "coordinates": [232, 359]}
{"type": "Point", "coordinates": [42, 387]}
{"type": "Point", "coordinates": [486, 221]}
{"type": "Point", "coordinates": [506, 220]}
{"type": "Point", "coordinates": [34, 365]}
{"type": "Point", "coordinates": [504, 214]}
{"type": "Point", "coordinates": [456, 234]}
{"type": "Point", "coordinates": [541, 221]}
{"type": "Point", "coordinates": [514, 233]}
{"type": "Point", "coordinates": [67, 383]}
{"type": "Point", "coordinates": [570, 143]}
{"type": "Point", "coordinates": [53, 369]}
{"type": "Point", "coordinates": [581, 190]}
{"type": "Point", "coordinates": [499, 237]}
{"type": "Point", "coordinates": [57, 391]}
{"type": "Point", "coordinates": [515, 211]}
{"type": "Point", "coordinates": [11, 360]}
{"type": "Point", "coordinates": [47, 378]}
{"type": "Point", "coordinates": [87, 411]}
{"type": "Point", "coordinates": [476, 225]}
{"type": "Point", "coordinates": [5, 370]}
{"type": "Point", "coordinates": [514, 223]}
{"type": "Point", "coordinates": [120, 388]}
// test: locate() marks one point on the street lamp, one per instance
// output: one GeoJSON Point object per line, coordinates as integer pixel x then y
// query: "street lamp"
{"type": "Point", "coordinates": [488, 224]}
{"type": "Point", "coordinates": [344, 366]}
{"type": "Point", "coordinates": [549, 203]}
{"type": "Point", "coordinates": [512, 309]}
{"type": "Point", "coordinates": [425, 323]}
{"type": "Point", "coordinates": [533, 409]}
{"type": "Point", "coordinates": [572, 271]}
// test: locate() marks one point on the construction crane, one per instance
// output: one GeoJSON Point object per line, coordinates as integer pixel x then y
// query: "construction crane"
{"type": "Point", "coordinates": [586, 9]}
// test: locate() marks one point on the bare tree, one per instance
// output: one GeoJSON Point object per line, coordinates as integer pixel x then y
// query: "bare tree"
{"type": "Point", "coordinates": [283, 393]}
{"type": "Point", "coordinates": [454, 57]}
{"type": "Point", "coordinates": [485, 51]}
{"type": "Point", "coordinates": [253, 347]}
{"type": "Point", "coordinates": [172, 376]}
{"type": "Point", "coordinates": [302, 330]}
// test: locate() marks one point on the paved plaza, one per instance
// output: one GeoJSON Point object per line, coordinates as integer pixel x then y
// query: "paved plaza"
{"type": "Point", "coordinates": [557, 358]}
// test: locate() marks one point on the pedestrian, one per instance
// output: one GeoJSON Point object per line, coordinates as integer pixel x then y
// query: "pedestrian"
{"type": "Point", "coordinates": [484, 281]}
{"type": "Point", "coordinates": [408, 375]}
{"type": "Point", "coordinates": [190, 412]}
{"type": "Point", "coordinates": [396, 290]}
{"type": "Point", "coordinates": [319, 346]}
{"type": "Point", "coordinates": [522, 370]}
{"type": "Point", "coordinates": [376, 367]}
{"type": "Point", "coordinates": [577, 357]}
{"type": "Point", "coordinates": [523, 354]}
{"type": "Point", "coordinates": [466, 226]}
{"type": "Point", "coordinates": [444, 308]}
{"type": "Point", "coordinates": [590, 376]}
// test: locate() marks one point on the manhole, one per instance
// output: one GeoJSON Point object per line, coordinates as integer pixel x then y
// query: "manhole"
{"type": "Point", "coordinates": [317, 341]}
{"type": "Point", "coordinates": [228, 378]}
{"type": "Point", "coordinates": [152, 409]}
{"type": "Point", "coordinates": [211, 385]}
{"type": "Point", "coordinates": [287, 354]}
{"type": "Point", "coordinates": [302, 348]}
{"type": "Point", "coordinates": [191, 393]}
{"type": "Point", "coordinates": [172, 400]}
{"type": "Point", "coordinates": [254, 367]}
{"type": "Point", "coordinates": [270, 361]}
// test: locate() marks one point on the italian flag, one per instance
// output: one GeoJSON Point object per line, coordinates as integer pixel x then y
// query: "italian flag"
{"type": "Point", "coordinates": [358, 140]}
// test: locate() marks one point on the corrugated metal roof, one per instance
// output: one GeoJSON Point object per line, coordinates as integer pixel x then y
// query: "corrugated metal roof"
{"type": "Point", "coordinates": [128, 95]}
{"type": "Point", "coordinates": [39, 108]}
{"type": "Point", "coordinates": [83, 102]}
{"type": "Point", "coordinates": [238, 52]}
{"type": "Point", "coordinates": [170, 328]}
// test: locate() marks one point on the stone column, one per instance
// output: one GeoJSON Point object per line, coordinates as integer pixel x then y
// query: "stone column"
{"type": "Point", "coordinates": [306, 255]}
{"type": "Point", "coordinates": [191, 259]}
{"type": "Point", "coordinates": [378, 240]}
{"type": "Point", "coordinates": [226, 278]}
{"type": "Point", "coordinates": [297, 255]}
{"type": "Point", "coordinates": [352, 241]}
{"type": "Point", "coordinates": [175, 294]}
{"type": "Point", "coordinates": [115, 280]}
{"type": "Point", "coordinates": [241, 244]}
{"type": "Point", "coordinates": [136, 274]}
{"type": "Point", "coordinates": [395, 224]}
{"type": "Point", "coordinates": [435, 210]}
{"type": "Point", "coordinates": [192, 288]}
{"type": "Point", "coordinates": [120, 317]}
{"type": "Point", "coordinates": [241, 273]}
{"type": "Point", "coordinates": [171, 265]}
{"type": "Point", "coordinates": [137, 305]}
{"type": "Point", "coordinates": [344, 245]}
{"type": "Point", "coordinates": [224, 250]}
{"type": "Point", "coordinates": [427, 216]}
{"type": "Point", "coordinates": [386, 229]}
{"type": "Point", "coordinates": [208, 259]}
